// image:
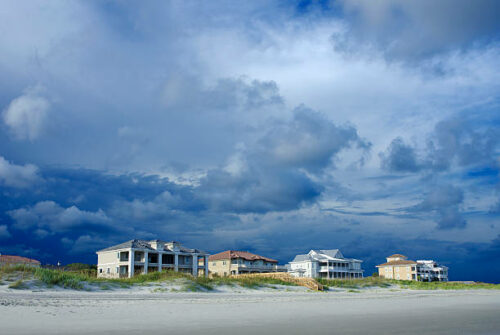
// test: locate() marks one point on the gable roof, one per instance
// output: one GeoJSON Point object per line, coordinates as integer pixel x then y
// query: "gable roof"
{"type": "Point", "coordinates": [143, 244]}
{"type": "Point", "coordinates": [232, 254]}
{"type": "Point", "coordinates": [301, 258]}
{"type": "Point", "coordinates": [334, 253]}
{"type": "Point", "coordinates": [396, 263]}
{"type": "Point", "coordinates": [136, 244]}
{"type": "Point", "coordinates": [323, 255]}
{"type": "Point", "coordinates": [17, 260]}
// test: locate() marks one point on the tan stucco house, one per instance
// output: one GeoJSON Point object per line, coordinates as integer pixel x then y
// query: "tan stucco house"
{"type": "Point", "coordinates": [140, 256]}
{"type": "Point", "coordinates": [233, 262]}
{"type": "Point", "coordinates": [400, 268]}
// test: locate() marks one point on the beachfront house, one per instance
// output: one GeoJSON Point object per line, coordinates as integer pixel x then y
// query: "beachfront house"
{"type": "Point", "coordinates": [233, 262]}
{"type": "Point", "coordinates": [140, 256]}
{"type": "Point", "coordinates": [328, 264]}
{"type": "Point", "coordinates": [400, 268]}
{"type": "Point", "coordinates": [10, 260]}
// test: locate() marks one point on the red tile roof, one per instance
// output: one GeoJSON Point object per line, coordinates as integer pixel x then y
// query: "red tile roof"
{"type": "Point", "coordinates": [17, 260]}
{"type": "Point", "coordinates": [396, 263]}
{"type": "Point", "coordinates": [231, 254]}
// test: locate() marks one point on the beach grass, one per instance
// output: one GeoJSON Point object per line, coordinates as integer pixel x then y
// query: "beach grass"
{"type": "Point", "coordinates": [79, 280]}
{"type": "Point", "coordinates": [405, 284]}
{"type": "Point", "coordinates": [416, 285]}
{"type": "Point", "coordinates": [354, 283]}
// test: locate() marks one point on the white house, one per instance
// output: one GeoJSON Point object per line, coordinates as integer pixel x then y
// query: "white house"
{"type": "Point", "coordinates": [140, 256]}
{"type": "Point", "coordinates": [431, 271]}
{"type": "Point", "coordinates": [328, 264]}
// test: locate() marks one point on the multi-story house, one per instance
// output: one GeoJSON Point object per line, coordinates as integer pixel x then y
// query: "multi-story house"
{"type": "Point", "coordinates": [328, 264]}
{"type": "Point", "coordinates": [139, 256]}
{"type": "Point", "coordinates": [400, 268]}
{"type": "Point", "coordinates": [233, 262]}
{"type": "Point", "coordinates": [431, 271]}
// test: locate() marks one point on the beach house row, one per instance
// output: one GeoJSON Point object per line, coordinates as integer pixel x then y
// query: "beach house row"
{"type": "Point", "coordinates": [141, 257]}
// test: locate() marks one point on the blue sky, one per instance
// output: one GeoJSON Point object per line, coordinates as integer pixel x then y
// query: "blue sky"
{"type": "Point", "coordinates": [272, 127]}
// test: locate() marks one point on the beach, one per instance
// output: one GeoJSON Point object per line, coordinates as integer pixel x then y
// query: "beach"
{"type": "Point", "coordinates": [372, 311]}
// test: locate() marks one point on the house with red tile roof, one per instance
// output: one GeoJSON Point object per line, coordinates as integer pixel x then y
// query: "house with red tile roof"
{"type": "Point", "coordinates": [232, 262]}
{"type": "Point", "coordinates": [17, 260]}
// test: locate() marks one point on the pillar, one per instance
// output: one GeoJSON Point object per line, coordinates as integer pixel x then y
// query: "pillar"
{"type": "Point", "coordinates": [195, 265]}
{"type": "Point", "coordinates": [160, 259]}
{"type": "Point", "coordinates": [146, 262]}
{"type": "Point", "coordinates": [206, 265]}
{"type": "Point", "coordinates": [176, 262]}
{"type": "Point", "coordinates": [131, 255]}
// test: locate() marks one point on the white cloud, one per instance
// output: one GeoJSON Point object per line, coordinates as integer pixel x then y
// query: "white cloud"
{"type": "Point", "coordinates": [20, 176]}
{"type": "Point", "coordinates": [27, 115]}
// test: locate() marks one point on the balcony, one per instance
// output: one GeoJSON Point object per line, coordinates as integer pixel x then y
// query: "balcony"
{"type": "Point", "coordinates": [336, 268]}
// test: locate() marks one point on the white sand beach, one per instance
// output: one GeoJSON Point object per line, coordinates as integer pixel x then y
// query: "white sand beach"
{"type": "Point", "coordinates": [369, 311]}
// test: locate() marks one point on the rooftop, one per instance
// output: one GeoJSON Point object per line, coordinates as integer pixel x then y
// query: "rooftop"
{"type": "Point", "coordinates": [17, 259]}
{"type": "Point", "coordinates": [144, 244]}
{"type": "Point", "coordinates": [232, 254]}
{"type": "Point", "coordinates": [323, 255]}
{"type": "Point", "coordinates": [399, 262]}
{"type": "Point", "coordinates": [396, 255]}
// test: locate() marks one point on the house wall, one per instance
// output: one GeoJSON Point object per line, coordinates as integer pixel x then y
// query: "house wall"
{"type": "Point", "coordinates": [220, 267]}
{"type": "Point", "coordinates": [107, 263]}
{"type": "Point", "coordinates": [311, 268]}
{"type": "Point", "coordinates": [398, 272]}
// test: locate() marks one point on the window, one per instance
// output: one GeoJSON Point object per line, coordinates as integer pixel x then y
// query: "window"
{"type": "Point", "coordinates": [107, 270]}
{"type": "Point", "coordinates": [100, 270]}
{"type": "Point", "coordinates": [224, 263]}
{"type": "Point", "coordinates": [118, 255]}
{"type": "Point", "coordinates": [117, 269]}
{"type": "Point", "coordinates": [214, 263]}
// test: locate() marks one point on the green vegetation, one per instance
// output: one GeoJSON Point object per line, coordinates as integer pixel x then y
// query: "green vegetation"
{"type": "Point", "coordinates": [80, 279]}
{"type": "Point", "coordinates": [18, 285]}
{"type": "Point", "coordinates": [417, 285]}
{"type": "Point", "coordinates": [355, 283]}
{"type": "Point", "coordinates": [405, 284]}
{"type": "Point", "coordinates": [85, 278]}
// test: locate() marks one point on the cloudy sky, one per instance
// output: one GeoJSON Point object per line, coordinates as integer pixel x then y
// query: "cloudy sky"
{"type": "Point", "coordinates": [272, 127]}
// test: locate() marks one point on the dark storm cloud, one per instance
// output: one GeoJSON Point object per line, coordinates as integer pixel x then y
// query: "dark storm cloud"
{"type": "Point", "coordinates": [270, 175]}
{"type": "Point", "coordinates": [456, 141]}
{"type": "Point", "coordinates": [445, 201]}
{"type": "Point", "coordinates": [399, 157]}
{"type": "Point", "coordinates": [416, 29]}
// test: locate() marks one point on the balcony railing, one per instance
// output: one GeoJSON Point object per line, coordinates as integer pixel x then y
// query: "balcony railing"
{"type": "Point", "coordinates": [338, 268]}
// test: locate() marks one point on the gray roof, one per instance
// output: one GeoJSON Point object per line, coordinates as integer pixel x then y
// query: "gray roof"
{"type": "Point", "coordinates": [301, 258]}
{"type": "Point", "coordinates": [143, 244]}
{"type": "Point", "coordinates": [335, 253]}
{"type": "Point", "coordinates": [322, 255]}
{"type": "Point", "coordinates": [136, 244]}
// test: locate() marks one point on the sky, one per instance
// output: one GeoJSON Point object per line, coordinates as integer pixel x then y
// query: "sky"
{"type": "Point", "coordinates": [273, 127]}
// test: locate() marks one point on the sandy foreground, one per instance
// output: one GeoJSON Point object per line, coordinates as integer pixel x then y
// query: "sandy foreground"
{"type": "Point", "coordinates": [374, 311]}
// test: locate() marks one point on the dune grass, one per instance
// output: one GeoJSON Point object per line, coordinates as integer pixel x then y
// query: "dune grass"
{"type": "Point", "coordinates": [405, 284]}
{"type": "Point", "coordinates": [355, 283]}
{"type": "Point", "coordinates": [445, 285]}
{"type": "Point", "coordinates": [79, 280]}
{"type": "Point", "coordinates": [19, 285]}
